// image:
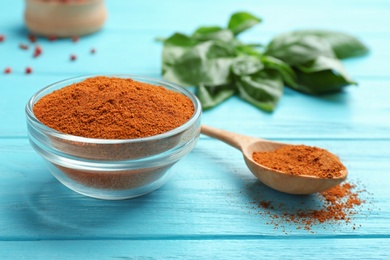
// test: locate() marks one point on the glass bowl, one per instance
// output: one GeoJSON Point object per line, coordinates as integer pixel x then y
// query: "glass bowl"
{"type": "Point", "coordinates": [112, 168]}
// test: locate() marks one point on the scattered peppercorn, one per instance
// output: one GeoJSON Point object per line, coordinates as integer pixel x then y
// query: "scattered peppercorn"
{"type": "Point", "coordinates": [28, 70]}
{"type": "Point", "coordinates": [32, 38]}
{"type": "Point", "coordinates": [52, 38]}
{"type": "Point", "coordinates": [7, 70]}
{"type": "Point", "coordinates": [23, 46]}
{"type": "Point", "coordinates": [37, 51]}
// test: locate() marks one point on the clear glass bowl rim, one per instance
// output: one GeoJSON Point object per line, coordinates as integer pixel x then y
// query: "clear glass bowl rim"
{"type": "Point", "coordinates": [52, 132]}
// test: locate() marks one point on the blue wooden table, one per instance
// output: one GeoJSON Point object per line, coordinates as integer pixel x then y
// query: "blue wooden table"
{"type": "Point", "coordinates": [207, 209]}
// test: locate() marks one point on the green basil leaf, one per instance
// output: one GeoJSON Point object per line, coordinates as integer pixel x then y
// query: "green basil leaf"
{"type": "Point", "coordinates": [170, 56]}
{"type": "Point", "coordinates": [219, 65]}
{"type": "Point", "coordinates": [174, 47]}
{"type": "Point", "coordinates": [343, 44]}
{"type": "Point", "coordinates": [324, 63]}
{"type": "Point", "coordinates": [321, 76]}
{"type": "Point", "coordinates": [208, 63]}
{"type": "Point", "coordinates": [211, 96]}
{"type": "Point", "coordinates": [283, 68]}
{"type": "Point", "coordinates": [217, 49]}
{"type": "Point", "coordinates": [179, 39]}
{"type": "Point", "coordinates": [248, 49]}
{"type": "Point", "coordinates": [298, 49]}
{"type": "Point", "coordinates": [213, 33]}
{"type": "Point", "coordinates": [242, 21]}
{"type": "Point", "coordinates": [246, 65]}
{"type": "Point", "coordinates": [262, 89]}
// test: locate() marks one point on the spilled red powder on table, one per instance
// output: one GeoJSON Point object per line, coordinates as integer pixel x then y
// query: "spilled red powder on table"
{"type": "Point", "coordinates": [337, 205]}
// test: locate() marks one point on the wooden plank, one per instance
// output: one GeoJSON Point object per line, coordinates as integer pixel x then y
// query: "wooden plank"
{"type": "Point", "coordinates": [212, 194]}
{"type": "Point", "coordinates": [208, 209]}
{"type": "Point", "coordinates": [193, 248]}
{"type": "Point", "coordinates": [153, 14]}
{"type": "Point", "coordinates": [358, 112]}
{"type": "Point", "coordinates": [358, 17]}
{"type": "Point", "coordinates": [127, 45]}
{"type": "Point", "coordinates": [137, 52]}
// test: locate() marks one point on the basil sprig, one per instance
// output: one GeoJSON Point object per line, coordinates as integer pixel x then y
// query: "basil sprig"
{"type": "Point", "coordinates": [219, 65]}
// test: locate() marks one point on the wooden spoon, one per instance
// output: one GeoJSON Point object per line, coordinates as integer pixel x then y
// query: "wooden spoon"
{"type": "Point", "coordinates": [281, 181]}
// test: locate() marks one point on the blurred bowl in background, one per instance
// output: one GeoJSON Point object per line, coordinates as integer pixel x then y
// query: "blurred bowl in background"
{"type": "Point", "coordinates": [56, 18]}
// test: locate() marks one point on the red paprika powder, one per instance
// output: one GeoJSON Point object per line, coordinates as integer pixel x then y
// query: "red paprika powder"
{"type": "Point", "coordinates": [336, 205]}
{"type": "Point", "coordinates": [113, 108]}
{"type": "Point", "coordinates": [116, 109]}
{"type": "Point", "coordinates": [301, 160]}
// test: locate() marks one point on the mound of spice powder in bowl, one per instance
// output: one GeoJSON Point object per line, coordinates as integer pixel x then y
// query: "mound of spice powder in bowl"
{"type": "Point", "coordinates": [113, 108]}
{"type": "Point", "coordinates": [301, 160]}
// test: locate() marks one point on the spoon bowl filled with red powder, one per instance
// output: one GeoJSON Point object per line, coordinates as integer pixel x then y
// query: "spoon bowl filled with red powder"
{"type": "Point", "coordinates": [113, 137]}
{"type": "Point", "coordinates": [293, 169]}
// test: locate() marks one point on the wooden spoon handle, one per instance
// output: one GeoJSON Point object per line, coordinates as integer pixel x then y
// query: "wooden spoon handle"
{"type": "Point", "coordinates": [238, 141]}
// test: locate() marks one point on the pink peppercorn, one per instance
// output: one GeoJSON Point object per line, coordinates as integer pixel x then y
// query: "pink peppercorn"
{"type": "Point", "coordinates": [7, 70]}
{"type": "Point", "coordinates": [32, 38]}
{"type": "Point", "coordinates": [23, 46]}
{"type": "Point", "coordinates": [52, 38]}
{"type": "Point", "coordinates": [37, 51]}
